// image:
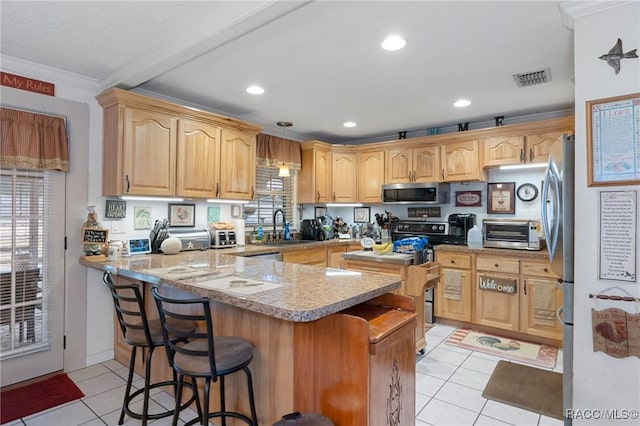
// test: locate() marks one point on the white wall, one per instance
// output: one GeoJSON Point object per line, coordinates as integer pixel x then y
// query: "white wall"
{"type": "Point", "coordinates": [600, 381]}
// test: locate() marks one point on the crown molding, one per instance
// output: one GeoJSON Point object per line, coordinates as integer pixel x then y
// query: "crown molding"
{"type": "Point", "coordinates": [572, 10]}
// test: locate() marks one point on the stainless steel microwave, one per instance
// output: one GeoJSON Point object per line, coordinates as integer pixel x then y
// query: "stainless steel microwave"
{"type": "Point", "coordinates": [416, 193]}
{"type": "Point", "coordinates": [512, 234]}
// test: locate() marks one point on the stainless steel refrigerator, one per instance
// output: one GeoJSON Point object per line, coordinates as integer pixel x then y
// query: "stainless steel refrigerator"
{"type": "Point", "coordinates": [557, 223]}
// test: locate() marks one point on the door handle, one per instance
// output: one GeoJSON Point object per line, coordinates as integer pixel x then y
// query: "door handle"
{"type": "Point", "coordinates": [126, 178]}
{"type": "Point", "coordinates": [522, 155]}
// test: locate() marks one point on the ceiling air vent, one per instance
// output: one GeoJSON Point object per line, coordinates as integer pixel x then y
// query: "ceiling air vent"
{"type": "Point", "coordinates": [533, 78]}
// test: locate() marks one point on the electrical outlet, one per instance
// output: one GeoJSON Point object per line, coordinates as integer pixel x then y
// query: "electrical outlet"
{"type": "Point", "coordinates": [117, 227]}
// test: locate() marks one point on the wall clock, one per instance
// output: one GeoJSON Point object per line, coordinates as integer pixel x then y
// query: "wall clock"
{"type": "Point", "coordinates": [527, 192]}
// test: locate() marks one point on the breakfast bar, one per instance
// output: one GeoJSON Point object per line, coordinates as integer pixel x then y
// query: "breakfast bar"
{"type": "Point", "coordinates": [328, 341]}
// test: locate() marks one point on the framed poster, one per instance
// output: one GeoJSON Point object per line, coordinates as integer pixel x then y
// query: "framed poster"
{"type": "Point", "coordinates": [182, 215]}
{"type": "Point", "coordinates": [141, 217]}
{"type": "Point", "coordinates": [361, 214]}
{"type": "Point", "coordinates": [618, 230]}
{"type": "Point", "coordinates": [501, 198]}
{"type": "Point", "coordinates": [319, 211]}
{"type": "Point", "coordinates": [613, 140]}
{"type": "Point", "coordinates": [115, 209]}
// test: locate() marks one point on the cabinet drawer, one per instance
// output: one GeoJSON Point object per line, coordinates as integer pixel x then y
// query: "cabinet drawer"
{"type": "Point", "coordinates": [536, 268]}
{"type": "Point", "coordinates": [312, 256]}
{"type": "Point", "coordinates": [378, 267]}
{"type": "Point", "coordinates": [498, 264]}
{"type": "Point", "coordinates": [454, 260]}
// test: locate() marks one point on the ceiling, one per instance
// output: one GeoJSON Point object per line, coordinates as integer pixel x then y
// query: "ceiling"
{"type": "Point", "coordinates": [319, 62]}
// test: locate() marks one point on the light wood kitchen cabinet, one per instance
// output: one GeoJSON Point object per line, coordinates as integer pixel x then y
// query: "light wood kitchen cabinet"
{"type": "Point", "coordinates": [403, 165]}
{"type": "Point", "coordinates": [148, 154]}
{"type": "Point", "coordinates": [453, 294]}
{"type": "Point", "coordinates": [461, 161]}
{"type": "Point", "coordinates": [343, 177]}
{"type": "Point", "coordinates": [396, 269]}
{"type": "Point", "coordinates": [157, 148]}
{"type": "Point", "coordinates": [237, 165]}
{"type": "Point", "coordinates": [540, 299]}
{"type": "Point", "coordinates": [316, 256]}
{"type": "Point", "coordinates": [540, 146]}
{"type": "Point", "coordinates": [503, 150]}
{"type": "Point", "coordinates": [314, 178]}
{"type": "Point", "coordinates": [198, 159]}
{"type": "Point", "coordinates": [497, 292]}
{"type": "Point", "coordinates": [370, 176]}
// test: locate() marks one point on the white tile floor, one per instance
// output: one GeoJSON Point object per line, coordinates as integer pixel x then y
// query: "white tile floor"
{"type": "Point", "coordinates": [449, 385]}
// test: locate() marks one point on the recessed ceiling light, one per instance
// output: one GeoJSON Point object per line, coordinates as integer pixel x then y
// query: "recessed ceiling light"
{"type": "Point", "coordinates": [462, 103]}
{"type": "Point", "coordinates": [349, 124]}
{"type": "Point", "coordinates": [255, 90]}
{"type": "Point", "coordinates": [393, 42]}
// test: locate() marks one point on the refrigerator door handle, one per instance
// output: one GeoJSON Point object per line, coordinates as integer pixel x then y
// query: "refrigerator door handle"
{"type": "Point", "coordinates": [559, 314]}
{"type": "Point", "coordinates": [550, 229]}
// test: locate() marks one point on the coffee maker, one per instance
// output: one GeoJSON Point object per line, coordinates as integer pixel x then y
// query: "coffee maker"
{"type": "Point", "coordinates": [460, 224]}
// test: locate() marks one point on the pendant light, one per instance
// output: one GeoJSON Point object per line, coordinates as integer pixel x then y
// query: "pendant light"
{"type": "Point", "coordinates": [283, 170]}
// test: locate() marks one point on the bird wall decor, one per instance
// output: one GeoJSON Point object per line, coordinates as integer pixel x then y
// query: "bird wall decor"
{"type": "Point", "coordinates": [615, 55]}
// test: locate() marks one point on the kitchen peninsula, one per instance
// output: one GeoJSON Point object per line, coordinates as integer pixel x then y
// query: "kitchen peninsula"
{"type": "Point", "coordinates": [327, 341]}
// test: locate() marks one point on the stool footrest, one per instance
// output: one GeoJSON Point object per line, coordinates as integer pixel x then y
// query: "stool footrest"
{"type": "Point", "coordinates": [163, 414]}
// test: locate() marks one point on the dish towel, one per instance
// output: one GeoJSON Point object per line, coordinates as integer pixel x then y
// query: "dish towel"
{"type": "Point", "coordinates": [544, 303]}
{"type": "Point", "coordinates": [452, 284]}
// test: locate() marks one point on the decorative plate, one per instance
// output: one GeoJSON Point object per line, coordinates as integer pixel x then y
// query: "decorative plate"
{"type": "Point", "coordinates": [367, 242]}
{"type": "Point", "coordinates": [527, 192]}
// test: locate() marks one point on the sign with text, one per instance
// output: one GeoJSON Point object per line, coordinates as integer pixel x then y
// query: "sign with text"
{"type": "Point", "coordinates": [424, 212]}
{"type": "Point", "coordinates": [498, 284]}
{"type": "Point", "coordinates": [26, 83]}
{"type": "Point", "coordinates": [95, 236]}
{"type": "Point", "coordinates": [115, 209]}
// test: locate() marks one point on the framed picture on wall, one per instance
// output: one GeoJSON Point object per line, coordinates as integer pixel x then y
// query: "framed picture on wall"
{"type": "Point", "coordinates": [501, 198]}
{"type": "Point", "coordinates": [361, 214]}
{"type": "Point", "coordinates": [319, 211]}
{"type": "Point", "coordinates": [182, 215]}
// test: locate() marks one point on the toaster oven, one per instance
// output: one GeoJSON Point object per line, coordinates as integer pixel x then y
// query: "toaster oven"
{"type": "Point", "coordinates": [512, 234]}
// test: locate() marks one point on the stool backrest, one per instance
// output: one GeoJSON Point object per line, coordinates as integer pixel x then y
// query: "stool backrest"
{"type": "Point", "coordinates": [129, 306]}
{"type": "Point", "coordinates": [175, 311]}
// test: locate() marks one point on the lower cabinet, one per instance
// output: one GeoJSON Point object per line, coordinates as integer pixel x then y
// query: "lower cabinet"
{"type": "Point", "coordinates": [395, 269]}
{"type": "Point", "coordinates": [497, 292]}
{"type": "Point", "coordinates": [539, 301]}
{"type": "Point", "coordinates": [453, 294]}
{"type": "Point", "coordinates": [316, 256]}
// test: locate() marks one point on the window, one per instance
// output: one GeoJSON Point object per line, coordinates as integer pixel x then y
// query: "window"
{"type": "Point", "coordinates": [272, 192]}
{"type": "Point", "coordinates": [24, 213]}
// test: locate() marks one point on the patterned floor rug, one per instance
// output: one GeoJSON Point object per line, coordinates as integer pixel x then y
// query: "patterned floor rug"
{"type": "Point", "coordinates": [517, 350]}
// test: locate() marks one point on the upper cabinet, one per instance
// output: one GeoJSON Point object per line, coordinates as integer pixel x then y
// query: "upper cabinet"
{"type": "Point", "coordinates": [314, 179]}
{"type": "Point", "coordinates": [503, 150]}
{"type": "Point", "coordinates": [155, 148]}
{"type": "Point", "coordinates": [541, 146]}
{"type": "Point", "coordinates": [461, 161]}
{"type": "Point", "coordinates": [370, 176]}
{"type": "Point", "coordinates": [404, 165]}
{"type": "Point", "coordinates": [343, 177]}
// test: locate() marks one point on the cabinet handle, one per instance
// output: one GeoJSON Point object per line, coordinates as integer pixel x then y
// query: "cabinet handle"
{"type": "Point", "coordinates": [530, 154]}
{"type": "Point", "coordinates": [126, 177]}
{"type": "Point", "coordinates": [525, 287]}
{"type": "Point", "coordinates": [414, 175]}
{"type": "Point", "coordinates": [318, 197]}
{"type": "Point", "coordinates": [217, 189]}
{"type": "Point", "coordinates": [252, 192]}
{"type": "Point", "coordinates": [453, 261]}
{"type": "Point", "coordinates": [522, 155]}
{"type": "Point", "coordinates": [442, 174]}
{"type": "Point", "coordinates": [334, 196]}
{"type": "Point", "coordinates": [496, 265]}
{"type": "Point", "coordinates": [546, 270]}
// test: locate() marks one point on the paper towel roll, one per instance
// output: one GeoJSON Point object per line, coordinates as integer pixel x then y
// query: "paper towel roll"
{"type": "Point", "coordinates": [239, 230]}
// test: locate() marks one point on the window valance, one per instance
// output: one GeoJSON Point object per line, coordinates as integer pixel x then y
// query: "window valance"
{"type": "Point", "coordinates": [273, 151]}
{"type": "Point", "coordinates": [33, 141]}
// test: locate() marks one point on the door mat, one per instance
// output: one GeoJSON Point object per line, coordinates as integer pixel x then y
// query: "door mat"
{"type": "Point", "coordinates": [517, 350]}
{"type": "Point", "coordinates": [526, 387]}
{"type": "Point", "coordinates": [37, 396]}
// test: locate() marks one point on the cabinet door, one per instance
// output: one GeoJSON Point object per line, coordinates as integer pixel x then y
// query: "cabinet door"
{"type": "Point", "coordinates": [495, 308]}
{"type": "Point", "coordinates": [237, 165]}
{"type": "Point", "coordinates": [198, 160]}
{"type": "Point", "coordinates": [500, 151]}
{"type": "Point", "coordinates": [398, 165]}
{"type": "Point", "coordinates": [539, 147]}
{"type": "Point", "coordinates": [343, 177]}
{"type": "Point", "coordinates": [453, 301]}
{"type": "Point", "coordinates": [539, 300]}
{"type": "Point", "coordinates": [322, 173]}
{"type": "Point", "coordinates": [394, 269]}
{"type": "Point", "coordinates": [311, 256]}
{"type": "Point", "coordinates": [149, 160]}
{"type": "Point", "coordinates": [460, 161]}
{"type": "Point", "coordinates": [426, 164]}
{"type": "Point", "coordinates": [370, 176]}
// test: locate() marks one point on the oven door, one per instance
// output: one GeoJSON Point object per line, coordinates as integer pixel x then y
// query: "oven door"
{"type": "Point", "coordinates": [506, 235]}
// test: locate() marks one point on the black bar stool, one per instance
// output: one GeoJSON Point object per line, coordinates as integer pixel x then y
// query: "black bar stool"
{"type": "Point", "coordinates": [205, 356]}
{"type": "Point", "coordinates": [141, 332]}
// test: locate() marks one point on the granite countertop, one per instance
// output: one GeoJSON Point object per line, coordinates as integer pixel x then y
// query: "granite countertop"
{"type": "Point", "coordinates": [371, 256]}
{"type": "Point", "coordinates": [287, 291]}
{"type": "Point", "coordinates": [522, 254]}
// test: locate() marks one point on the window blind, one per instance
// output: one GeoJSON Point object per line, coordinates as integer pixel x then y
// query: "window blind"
{"type": "Point", "coordinates": [272, 192]}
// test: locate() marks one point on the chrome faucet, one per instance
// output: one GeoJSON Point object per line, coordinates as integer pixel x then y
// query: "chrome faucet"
{"type": "Point", "coordinates": [284, 221]}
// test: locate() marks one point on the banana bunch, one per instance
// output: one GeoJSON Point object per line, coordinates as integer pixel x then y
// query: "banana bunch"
{"type": "Point", "coordinates": [383, 248]}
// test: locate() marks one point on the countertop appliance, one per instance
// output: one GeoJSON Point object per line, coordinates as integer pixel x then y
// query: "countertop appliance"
{"type": "Point", "coordinates": [512, 233]}
{"type": "Point", "coordinates": [223, 238]}
{"type": "Point", "coordinates": [192, 239]}
{"type": "Point", "coordinates": [460, 224]}
{"type": "Point", "coordinates": [416, 193]}
{"type": "Point", "coordinates": [557, 226]}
